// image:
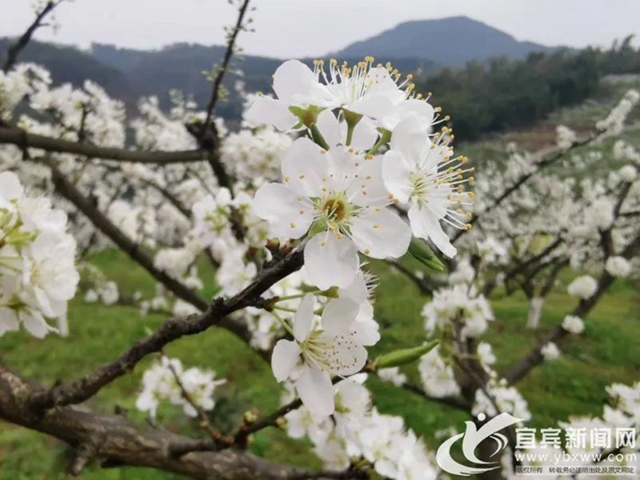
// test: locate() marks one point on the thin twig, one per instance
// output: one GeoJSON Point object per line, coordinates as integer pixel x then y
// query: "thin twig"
{"type": "Point", "coordinates": [15, 49]}
{"type": "Point", "coordinates": [217, 83]}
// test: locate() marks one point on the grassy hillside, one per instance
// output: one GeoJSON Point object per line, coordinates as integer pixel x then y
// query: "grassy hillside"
{"type": "Point", "coordinates": [572, 385]}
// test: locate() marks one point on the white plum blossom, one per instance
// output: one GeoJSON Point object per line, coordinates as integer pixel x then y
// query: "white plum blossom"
{"type": "Point", "coordinates": [507, 399]}
{"type": "Point", "coordinates": [485, 353]}
{"type": "Point", "coordinates": [583, 287]}
{"type": "Point", "coordinates": [618, 267]}
{"type": "Point", "coordinates": [420, 173]}
{"type": "Point", "coordinates": [339, 195]}
{"type": "Point", "coordinates": [438, 379]}
{"type": "Point", "coordinates": [550, 351]}
{"type": "Point", "coordinates": [38, 275]}
{"type": "Point", "coordinates": [628, 173]}
{"type": "Point", "coordinates": [459, 305]}
{"type": "Point", "coordinates": [159, 383]}
{"type": "Point", "coordinates": [573, 324]}
{"type": "Point", "coordinates": [319, 351]}
{"type": "Point", "coordinates": [392, 375]}
{"type": "Point", "coordinates": [565, 137]}
{"type": "Point", "coordinates": [361, 89]}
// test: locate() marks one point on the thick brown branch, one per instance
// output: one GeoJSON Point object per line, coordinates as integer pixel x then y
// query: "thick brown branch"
{"type": "Point", "coordinates": [24, 140]}
{"type": "Point", "coordinates": [118, 441]}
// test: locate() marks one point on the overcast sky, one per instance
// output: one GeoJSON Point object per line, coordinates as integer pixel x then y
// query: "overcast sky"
{"type": "Point", "coordinates": [290, 28]}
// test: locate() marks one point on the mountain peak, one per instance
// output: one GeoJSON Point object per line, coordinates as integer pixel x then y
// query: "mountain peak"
{"type": "Point", "coordinates": [448, 41]}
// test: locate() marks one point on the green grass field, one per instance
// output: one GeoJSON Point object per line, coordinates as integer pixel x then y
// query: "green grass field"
{"type": "Point", "coordinates": [574, 384]}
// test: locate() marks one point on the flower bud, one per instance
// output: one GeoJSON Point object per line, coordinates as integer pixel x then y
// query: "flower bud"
{"type": "Point", "coordinates": [421, 251]}
{"type": "Point", "coordinates": [405, 356]}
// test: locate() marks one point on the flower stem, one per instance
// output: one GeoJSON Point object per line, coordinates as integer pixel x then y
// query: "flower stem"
{"type": "Point", "coordinates": [298, 295]}
{"type": "Point", "coordinates": [284, 309]}
{"type": "Point", "coordinates": [317, 136]}
{"type": "Point", "coordinates": [383, 140]}
{"type": "Point", "coordinates": [282, 322]}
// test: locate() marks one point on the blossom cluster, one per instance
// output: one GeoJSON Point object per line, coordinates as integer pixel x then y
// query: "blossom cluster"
{"type": "Point", "coordinates": [358, 433]}
{"type": "Point", "coordinates": [38, 275]}
{"type": "Point", "coordinates": [337, 187]}
{"type": "Point", "coordinates": [167, 381]}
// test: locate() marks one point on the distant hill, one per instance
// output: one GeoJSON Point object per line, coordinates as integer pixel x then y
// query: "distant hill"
{"type": "Point", "coordinates": [447, 41]}
{"type": "Point", "coordinates": [71, 65]}
{"type": "Point", "coordinates": [422, 47]}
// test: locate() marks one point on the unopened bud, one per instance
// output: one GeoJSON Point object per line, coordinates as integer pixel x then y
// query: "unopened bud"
{"type": "Point", "coordinates": [421, 251]}
{"type": "Point", "coordinates": [405, 356]}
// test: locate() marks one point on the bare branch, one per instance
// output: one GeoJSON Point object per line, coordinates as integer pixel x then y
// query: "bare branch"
{"type": "Point", "coordinates": [454, 402]}
{"type": "Point", "coordinates": [519, 370]}
{"type": "Point", "coordinates": [424, 287]}
{"type": "Point", "coordinates": [217, 83]}
{"type": "Point", "coordinates": [15, 49]}
{"type": "Point", "coordinates": [24, 140]}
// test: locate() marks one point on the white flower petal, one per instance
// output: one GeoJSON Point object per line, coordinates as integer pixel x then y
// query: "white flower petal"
{"type": "Point", "coordinates": [330, 128]}
{"type": "Point", "coordinates": [289, 216]}
{"type": "Point", "coordinates": [10, 188]}
{"type": "Point", "coordinates": [293, 79]}
{"type": "Point", "coordinates": [381, 234]}
{"type": "Point", "coordinates": [410, 139]}
{"type": "Point", "coordinates": [374, 106]}
{"type": "Point", "coordinates": [303, 321]}
{"type": "Point", "coordinates": [35, 324]}
{"type": "Point", "coordinates": [8, 320]}
{"type": "Point", "coordinates": [365, 135]}
{"type": "Point", "coordinates": [421, 110]}
{"type": "Point", "coordinates": [330, 261]}
{"type": "Point", "coordinates": [316, 392]}
{"type": "Point", "coordinates": [305, 168]}
{"type": "Point", "coordinates": [338, 316]}
{"type": "Point", "coordinates": [368, 188]}
{"type": "Point", "coordinates": [284, 359]}
{"type": "Point", "coordinates": [366, 330]}
{"type": "Point", "coordinates": [347, 355]}
{"type": "Point", "coordinates": [424, 224]}
{"type": "Point", "coordinates": [267, 111]}
{"type": "Point", "coordinates": [396, 173]}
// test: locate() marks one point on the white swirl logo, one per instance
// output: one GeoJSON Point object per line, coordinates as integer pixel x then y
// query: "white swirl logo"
{"type": "Point", "coordinates": [471, 438]}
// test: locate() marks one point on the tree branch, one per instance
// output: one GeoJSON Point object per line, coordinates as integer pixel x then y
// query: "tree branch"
{"type": "Point", "coordinates": [548, 158]}
{"type": "Point", "coordinates": [519, 370]}
{"type": "Point", "coordinates": [120, 442]}
{"type": "Point", "coordinates": [217, 83]}
{"type": "Point", "coordinates": [70, 192]}
{"type": "Point", "coordinates": [15, 49]}
{"type": "Point", "coordinates": [172, 329]}
{"type": "Point", "coordinates": [24, 140]}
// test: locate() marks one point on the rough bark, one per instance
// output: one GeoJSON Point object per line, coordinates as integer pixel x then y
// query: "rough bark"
{"type": "Point", "coordinates": [116, 441]}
